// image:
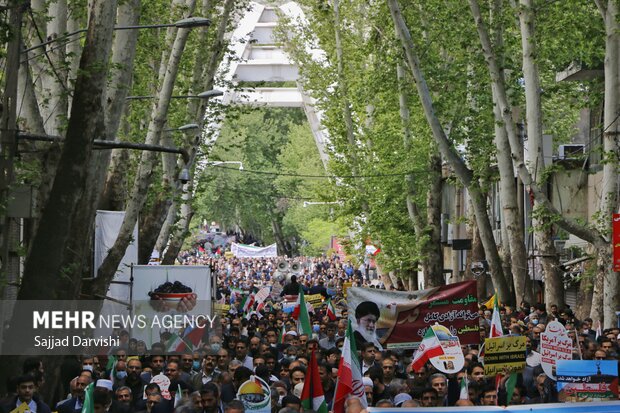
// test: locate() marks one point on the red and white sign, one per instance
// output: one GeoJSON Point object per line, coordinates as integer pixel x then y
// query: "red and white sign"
{"type": "Point", "coordinates": [164, 384]}
{"type": "Point", "coordinates": [615, 241]}
{"type": "Point", "coordinates": [554, 345]}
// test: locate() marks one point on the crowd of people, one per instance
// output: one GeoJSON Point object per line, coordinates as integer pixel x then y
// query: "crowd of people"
{"type": "Point", "coordinates": [269, 345]}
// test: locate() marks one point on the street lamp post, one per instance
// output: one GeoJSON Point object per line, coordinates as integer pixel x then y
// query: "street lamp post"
{"type": "Point", "coordinates": [105, 144]}
{"type": "Point", "coordinates": [307, 203]}
{"type": "Point", "coordinates": [188, 23]}
{"type": "Point", "coordinates": [202, 95]}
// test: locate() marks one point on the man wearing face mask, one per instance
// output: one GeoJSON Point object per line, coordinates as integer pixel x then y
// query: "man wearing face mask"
{"type": "Point", "coordinates": [541, 310]}
{"type": "Point", "coordinates": [120, 372]}
{"type": "Point", "coordinates": [88, 363]}
{"type": "Point", "coordinates": [208, 373]}
{"type": "Point", "coordinates": [216, 343]}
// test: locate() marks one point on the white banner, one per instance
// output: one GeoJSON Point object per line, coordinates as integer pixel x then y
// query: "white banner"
{"type": "Point", "coordinates": [249, 251]}
{"type": "Point", "coordinates": [107, 226]}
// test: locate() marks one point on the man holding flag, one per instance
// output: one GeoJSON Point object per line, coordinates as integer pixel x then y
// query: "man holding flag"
{"type": "Point", "coordinates": [300, 313]}
{"type": "Point", "coordinates": [429, 347]}
{"type": "Point", "coordinates": [349, 382]}
{"type": "Point", "coordinates": [312, 395]}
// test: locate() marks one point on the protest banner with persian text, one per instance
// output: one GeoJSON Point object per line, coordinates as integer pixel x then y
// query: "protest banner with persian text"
{"type": "Point", "coordinates": [587, 380]}
{"type": "Point", "coordinates": [554, 345]}
{"type": "Point", "coordinates": [504, 354]}
{"type": "Point", "coordinates": [405, 316]}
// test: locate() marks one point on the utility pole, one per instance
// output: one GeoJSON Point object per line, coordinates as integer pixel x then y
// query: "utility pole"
{"type": "Point", "coordinates": [8, 131]}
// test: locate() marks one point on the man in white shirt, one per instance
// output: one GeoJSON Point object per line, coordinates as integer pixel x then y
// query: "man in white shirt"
{"type": "Point", "coordinates": [330, 340]}
{"type": "Point", "coordinates": [369, 352]}
{"type": "Point", "coordinates": [241, 354]}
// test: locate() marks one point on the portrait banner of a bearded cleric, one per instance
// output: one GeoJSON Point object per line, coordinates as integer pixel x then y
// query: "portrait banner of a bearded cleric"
{"type": "Point", "coordinates": [394, 319]}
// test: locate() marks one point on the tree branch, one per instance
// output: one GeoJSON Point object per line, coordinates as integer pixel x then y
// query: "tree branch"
{"type": "Point", "coordinates": [582, 231]}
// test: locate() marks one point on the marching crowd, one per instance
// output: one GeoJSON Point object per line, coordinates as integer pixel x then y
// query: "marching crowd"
{"type": "Point", "coordinates": [268, 344]}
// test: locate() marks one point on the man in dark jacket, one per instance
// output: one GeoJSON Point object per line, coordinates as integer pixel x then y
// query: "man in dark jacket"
{"type": "Point", "coordinates": [25, 394]}
{"type": "Point", "coordinates": [74, 404]}
{"type": "Point", "coordinates": [291, 288]}
{"type": "Point", "coordinates": [319, 289]}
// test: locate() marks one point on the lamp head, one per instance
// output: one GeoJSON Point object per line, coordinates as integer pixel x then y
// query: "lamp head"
{"type": "Point", "coordinates": [192, 22]}
{"type": "Point", "coordinates": [210, 94]}
{"type": "Point", "coordinates": [184, 176]}
{"type": "Point", "coordinates": [188, 126]}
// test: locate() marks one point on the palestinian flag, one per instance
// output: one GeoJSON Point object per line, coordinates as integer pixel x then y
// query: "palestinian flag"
{"type": "Point", "coordinates": [496, 322]}
{"type": "Point", "coordinates": [312, 396]}
{"type": "Point", "coordinates": [300, 313]}
{"type": "Point", "coordinates": [511, 383]}
{"type": "Point", "coordinates": [331, 311]}
{"type": "Point", "coordinates": [349, 374]}
{"type": "Point", "coordinates": [192, 337]}
{"type": "Point", "coordinates": [464, 393]}
{"type": "Point", "coordinates": [88, 406]}
{"type": "Point", "coordinates": [177, 344]}
{"type": "Point", "coordinates": [429, 347]}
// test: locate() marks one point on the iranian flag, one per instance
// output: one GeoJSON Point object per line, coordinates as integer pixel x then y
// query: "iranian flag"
{"type": "Point", "coordinates": [300, 313]}
{"type": "Point", "coordinates": [429, 347]}
{"type": "Point", "coordinates": [248, 303]}
{"type": "Point", "coordinates": [372, 250]}
{"type": "Point", "coordinates": [331, 311]}
{"type": "Point", "coordinates": [312, 396]}
{"type": "Point", "coordinates": [496, 322]}
{"type": "Point", "coordinates": [349, 374]}
{"type": "Point", "coordinates": [496, 331]}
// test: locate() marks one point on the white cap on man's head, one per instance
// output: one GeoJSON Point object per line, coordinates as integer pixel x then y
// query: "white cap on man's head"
{"type": "Point", "coordinates": [400, 398]}
{"type": "Point", "coordinates": [103, 383]}
{"type": "Point", "coordinates": [367, 381]}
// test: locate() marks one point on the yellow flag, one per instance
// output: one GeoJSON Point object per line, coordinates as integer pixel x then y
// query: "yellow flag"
{"type": "Point", "coordinates": [489, 304]}
{"type": "Point", "coordinates": [22, 408]}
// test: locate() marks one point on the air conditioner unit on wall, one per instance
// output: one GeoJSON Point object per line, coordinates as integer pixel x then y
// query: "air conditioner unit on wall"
{"type": "Point", "coordinates": [572, 151]}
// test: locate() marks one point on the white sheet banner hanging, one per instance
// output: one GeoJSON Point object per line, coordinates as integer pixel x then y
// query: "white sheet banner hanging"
{"type": "Point", "coordinates": [250, 251]}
